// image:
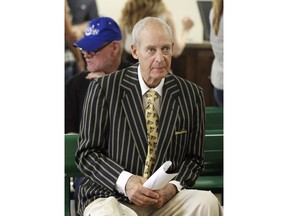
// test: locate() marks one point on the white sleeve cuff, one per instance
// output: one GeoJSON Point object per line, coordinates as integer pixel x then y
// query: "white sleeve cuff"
{"type": "Point", "coordinates": [121, 182]}
{"type": "Point", "coordinates": [177, 185]}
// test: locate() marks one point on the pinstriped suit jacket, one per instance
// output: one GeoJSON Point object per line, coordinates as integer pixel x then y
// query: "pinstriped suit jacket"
{"type": "Point", "coordinates": [113, 132]}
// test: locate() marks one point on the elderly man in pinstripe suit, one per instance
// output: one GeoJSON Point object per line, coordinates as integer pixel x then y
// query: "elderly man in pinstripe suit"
{"type": "Point", "coordinates": [113, 138]}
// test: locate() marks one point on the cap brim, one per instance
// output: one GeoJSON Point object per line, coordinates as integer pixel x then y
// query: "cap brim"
{"type": "Point", "coordinates": [89, 44]}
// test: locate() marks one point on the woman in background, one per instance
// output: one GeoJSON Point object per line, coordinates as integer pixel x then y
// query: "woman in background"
{"type": "Point", "coordinates": [133, 11]}
{"type": "Point", "coordinates": [216, 39]}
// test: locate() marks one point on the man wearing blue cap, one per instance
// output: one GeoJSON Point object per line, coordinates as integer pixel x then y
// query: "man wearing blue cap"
{"type": "Point", "coordinates": [102, 50]}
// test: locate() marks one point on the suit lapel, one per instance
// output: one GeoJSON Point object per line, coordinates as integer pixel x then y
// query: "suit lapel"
{"type": "Point", "coordinates": [132, 106]}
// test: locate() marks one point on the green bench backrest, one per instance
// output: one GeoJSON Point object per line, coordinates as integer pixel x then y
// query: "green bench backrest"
{"type": "Point", "coordinates": [71, 142]}
{"type": "Point", "coordinates": [214, 118]}
{"type": "Point", "coordinates": [213, 164]}
{"type": "Point", "coordinates": [213, 153]}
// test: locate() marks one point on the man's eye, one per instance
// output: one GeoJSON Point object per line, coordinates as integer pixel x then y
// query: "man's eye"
{"type": "Point", "coordinates": [151, 50]}
{"type": "Point", "coordinates": [166, 49]}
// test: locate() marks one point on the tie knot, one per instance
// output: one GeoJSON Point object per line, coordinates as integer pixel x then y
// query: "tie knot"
{"type": "Point", "coordinates": [151, 94]}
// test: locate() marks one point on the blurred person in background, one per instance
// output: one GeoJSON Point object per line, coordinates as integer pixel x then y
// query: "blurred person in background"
{"type": "Point", "coordinates": [82, 11]}
{"type": "Point", "coordinates": [216, 40]}
{"type": "Point", "coordinates": [102, 50]}
{"type": "Point", "coordinates": [77, 15]}
{"type": "Point", "coordinates": [76, 62]}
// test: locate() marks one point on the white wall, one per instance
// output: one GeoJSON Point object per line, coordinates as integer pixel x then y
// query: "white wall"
{"type": "Point", "coordinates": [180, 8]}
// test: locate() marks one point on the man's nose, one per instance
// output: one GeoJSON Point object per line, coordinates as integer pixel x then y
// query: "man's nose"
{"type": "Point", "coordinates": [159, 56]}
{"type": "Point", "coordinates": [86, 55]}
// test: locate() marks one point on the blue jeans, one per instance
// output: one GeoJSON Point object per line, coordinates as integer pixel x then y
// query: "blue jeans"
{"type": "Point", "coordinates": [218, 96]}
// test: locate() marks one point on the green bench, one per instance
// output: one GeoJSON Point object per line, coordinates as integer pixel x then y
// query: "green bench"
{"type": "Point", "coordinates": [210, 179]}
{"type": "Point", "coordinates": [212, 176]}
{"type": "Point", "coordinates": [71, 169]}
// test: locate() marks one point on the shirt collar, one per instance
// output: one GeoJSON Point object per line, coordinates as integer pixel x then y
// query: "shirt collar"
{"type": "Point", "coordinates": [145, 88]}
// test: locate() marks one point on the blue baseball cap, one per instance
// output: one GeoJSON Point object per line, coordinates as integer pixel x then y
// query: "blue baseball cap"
{"type": "Point", "coordinates": [98, 32]}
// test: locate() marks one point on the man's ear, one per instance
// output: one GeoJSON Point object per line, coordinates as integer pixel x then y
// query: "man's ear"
{"type": "Point", "coordinates": [134, 51]}
{"type": "Point", "coordinates": [116, 48]}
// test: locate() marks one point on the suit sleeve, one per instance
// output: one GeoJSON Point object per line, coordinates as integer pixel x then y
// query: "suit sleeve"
{"type": "Point", "coordinates": [193, 163]}
{"type": "Point", "coordinates": [91, 155]}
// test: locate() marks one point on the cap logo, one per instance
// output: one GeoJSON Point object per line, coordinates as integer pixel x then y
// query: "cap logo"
{"type": "Point", "coordinates": [91, 30]}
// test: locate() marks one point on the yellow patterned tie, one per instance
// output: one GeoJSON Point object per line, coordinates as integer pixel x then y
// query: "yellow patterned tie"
{"type": "Point", "coordinates": [152, 132]}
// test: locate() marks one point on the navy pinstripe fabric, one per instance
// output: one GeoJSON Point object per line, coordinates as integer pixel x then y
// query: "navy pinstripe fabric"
{"type": "Point", "coordinates": [113, 132]}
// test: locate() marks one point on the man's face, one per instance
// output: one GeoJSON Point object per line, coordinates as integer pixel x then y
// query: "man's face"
{"type": "Point", "coordinates": [154, 53]}
{"type": "Point", "coordinates": [101, 60]}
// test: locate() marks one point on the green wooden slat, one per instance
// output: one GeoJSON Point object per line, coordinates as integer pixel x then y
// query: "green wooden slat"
{"type": "Point", "coordinates": [213, 183]}
{"type": "Point", "coordinates": [71, 142]}
{"type": "Point", "coordinates": [71, 170]}
{"type": "Point", "coordinates": [214, 118]}
{"type": "Point", "coordinates": [67, 196]}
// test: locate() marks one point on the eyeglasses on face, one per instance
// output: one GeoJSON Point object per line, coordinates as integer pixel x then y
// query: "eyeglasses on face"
{"type": "Point", "coordinates": [93, 53]}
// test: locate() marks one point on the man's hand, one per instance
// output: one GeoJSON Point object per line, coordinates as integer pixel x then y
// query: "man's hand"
{"type": "Point", "coordinates": [93, 75]}
{"type": "Point", "coordinates": [138, 194]}
{"type": "Point", "coordinates": [165, 194]}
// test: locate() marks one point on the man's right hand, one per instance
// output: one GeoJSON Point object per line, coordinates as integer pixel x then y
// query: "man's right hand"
{"type": "Point", "coordinates": [138, 194]}
{"type": "Point", "coordinates": [93, 75]}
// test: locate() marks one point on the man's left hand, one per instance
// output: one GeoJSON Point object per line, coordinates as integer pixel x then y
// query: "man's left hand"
{"type": "Point", "coordinates": [165, 194]}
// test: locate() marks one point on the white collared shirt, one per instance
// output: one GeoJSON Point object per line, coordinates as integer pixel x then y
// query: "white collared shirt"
{"type": "Point", "coordinates": [145, 88]}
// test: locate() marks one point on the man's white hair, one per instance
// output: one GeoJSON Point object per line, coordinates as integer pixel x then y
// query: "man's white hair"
{"type": "Point", "coordinates": [139, 26]}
